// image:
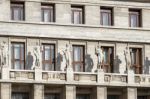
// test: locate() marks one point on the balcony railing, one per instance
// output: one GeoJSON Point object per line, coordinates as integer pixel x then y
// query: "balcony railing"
{"type": "Point", "coordinates": [98, 77]}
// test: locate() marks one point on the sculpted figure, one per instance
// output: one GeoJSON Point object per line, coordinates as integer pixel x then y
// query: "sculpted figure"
{"type": "Point", "coordinates": [3, 53]}
{"type": "Point", "coordinates": [63, 61]}
{"type": "Point", "coordinates": [67, 53]}
{"type": "Point", "coordinates": [127, 56]}
{"type": "Point", "coordinates": [36, 52]}
{"type": "Point", "coordinates": [100, 55]}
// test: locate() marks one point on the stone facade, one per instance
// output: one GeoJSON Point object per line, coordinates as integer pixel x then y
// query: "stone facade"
{"type": "Point", "coordinates": [68, 84]}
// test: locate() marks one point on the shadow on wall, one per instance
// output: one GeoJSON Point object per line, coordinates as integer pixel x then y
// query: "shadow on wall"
{"type": "Point", "coordinates": [117, 63]}
{"type": "Point", "coordinates": [88, 63]}
{"type": "Point", "coordinates": [29, 61]}
{"type": "Point", "coordinates": [146, 66]}
{"type": "Point", "coordinates": [59, 60]}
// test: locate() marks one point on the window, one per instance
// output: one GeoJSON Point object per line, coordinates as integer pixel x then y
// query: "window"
{"type": "Point", "coordinates": [20, 95]}
{"type": "Point", "coordinates": [47, 13]}
{"type": "Point", "coordinates": [136, 60]}
{"type": "Point", "coordinates": [77, 15]}
{"type": "Point", "coordinates": [78, 58]}
{"type": "Point", "coordinates": [51, 96]}
{"type": "Point", "coordinates": [83, 96]}
{"type": "Point", "coordinates": [142, 97]}
{"type": "Point", "coordinates": [18, 55]}
{"type": "Point", "coordinates": [113, 97]}
{"type": "Point", "coordinates": [107, 63]}
{"type": "Point", "coordinates": [17, 11]}
{"type": "Point", "coordinates": [135, 18]}
{"type": "Point", "coordinates": [106, 16]}
{"type": "Point", "coordinates": [48, 57]}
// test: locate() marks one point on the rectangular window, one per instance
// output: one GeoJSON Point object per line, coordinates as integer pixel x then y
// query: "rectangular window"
{"type": "Point", "coordinates": [135, 18]}
{"type": "Point", "coordinates": [20, 95]}
{"type": "Point", "coordinates": [17, 11]}
{"type": "Point", "coordinates": [78, 58]}
{"type": "Point", "coordinates": [136, 59]}
{"type": "Point", "coordinates": [77, 15]}
{"type": "Point", "coordinates": [107, 63]}
{"type": "Point", "coordinates": [48, 57]}
{"type": "Point", "coordinates": [83, 96]}
{"type": "Point", "coordinates": [106, 16]}
{"type": "Point", "coordinates": [18, 55]}
{"type": "Point", "coordinates": [47, 13]}
{"type": "Point", "coordinates": [113, 97]}
{"type": "Point", "coordinates": [51, 96]}
{"type": "Point", "coordinates": [142, 97]}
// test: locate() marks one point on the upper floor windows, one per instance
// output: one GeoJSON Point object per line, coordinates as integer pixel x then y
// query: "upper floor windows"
{"type": "Point", "coordinates": [106, 16]}
{"type": "Point", "coordinates": [17, 11]}
{"type": "Point", "coordinates": [47, 13]}
{"type": "Point", "coordinates": [20, 95]}
{"type": "Point", "coordinates": [78, 58]}
{"type": "Point", "coordinates": [18, 55]}
{"type": "Point", "coordinates": [51, 96]}
{"type": "Point", "coordinates": [77, 14]}
{"type": "Point", "coordinates": [135, 18]}
{"type": "Point", "coordinates": [48, 57]}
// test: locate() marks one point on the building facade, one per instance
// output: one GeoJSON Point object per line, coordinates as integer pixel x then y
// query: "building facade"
{"type": "Point", "coordinates": [75, 49]}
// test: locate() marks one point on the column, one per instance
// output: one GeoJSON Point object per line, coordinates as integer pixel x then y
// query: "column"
{"type": "Point", "coordinates": [100, 92]}
{"type": "Point", "coordinates": [131, 93]}
{"type": "Point", "coordinates": [38, 91]}
{"type": "Point", "coordinates": [70, 92]}
{"type": "Point", "coordinates": [5, 91]}
{"type": "Point", "coordinates": [63, 13]}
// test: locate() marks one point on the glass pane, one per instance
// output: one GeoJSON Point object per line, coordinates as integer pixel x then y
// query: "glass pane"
{"type": "Point", "coordinates": [46, 15]}
{"type": "Point", "coordinates": [47, 53]}
{"type": "Point", "coordinates": [113, 97]}
{"type": "Point", "coordinates": [51, 96]}
{"type": "Point", "coordinates": [133, 57]}
{"type": "Point", "coordinates": [105, 55]}
{"type": "Point", "coordinates": [17, 65]}
{"type": "Point", "coordinates": [105, 19]}
{"type": "Point", "coordinates": [77, 54]}
{"type": "Point", "coordinates": [77, 67]}
{"type": "Point", "coordinates": [133, 20]}
{"type": "Point", "coordinates": [83, 96]}
{"type": "Point", "coordinates": [17, 52]}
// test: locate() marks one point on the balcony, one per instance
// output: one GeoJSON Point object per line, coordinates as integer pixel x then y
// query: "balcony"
{"type": "Point", "coordinates": [81, 78]}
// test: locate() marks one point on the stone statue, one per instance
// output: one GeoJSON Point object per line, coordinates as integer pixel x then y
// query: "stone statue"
{"type": "Point", "coordinates": [67, 53]}
{"type": "Point", "coordinates": [100, 56]}
{"type": "Point", "coordinates": [63, 61]}
{"type": "Point", "coordinates": [3, 54]}
{"type": "Point", "coordinates": [127, 57]}
{"type": "Point", "coordinates": [36, 52]}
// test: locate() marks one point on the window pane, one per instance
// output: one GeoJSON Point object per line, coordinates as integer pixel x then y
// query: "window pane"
{"type": "Point", "coordinates": [17, 12]}
{"type": "Point", "coordinates": [134, 19]}
{"type": "Point", "coordinates": [17, 65]}
{"type": "Point", "coordinates": [83, 96]}
{"type": "Point", "coordinates": [105, 19]}
{"type": "Point", "coordinates": [19, 95]}
{"type": "Point", "coordinates": [17, 52]}
{"type": "Point", "coordinates": [105, 55]}
{"type": "Point", "coordinates": [78, 67]}
{"type": "Point", "coordinates": [77, 54]}
{"type": "Point", "coordinates": [51, 96]}
{"type": "Point", "coordinates": [77, 15]}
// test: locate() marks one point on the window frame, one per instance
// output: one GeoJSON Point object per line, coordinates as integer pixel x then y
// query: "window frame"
{"type": "Point", "coordinates": [20, 6]}
{"type": "Point", "coordinates": [138, 14]}
{"type": "Point", "coordinates": [50, 61]}
{"type": "Point", "coordinates": [138, 68]}
{"type": "Point", "coordinates": [51, 8]}
{"type": "Point", "coordinates": [109, 66]}
{"type": "Point", "coordinates": [80, 10]}
{"type": "Point", "coordinates": [20, 56]}
{"type": "Point", "coordinates": [109, 11]}
{"type": "Point", "coordinates": [82, 58]}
